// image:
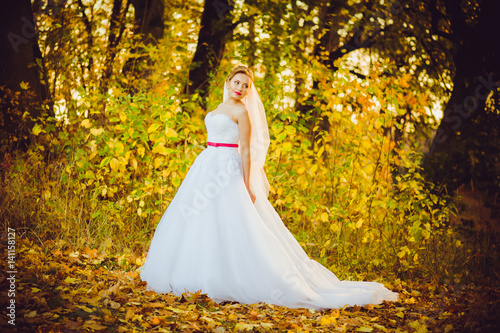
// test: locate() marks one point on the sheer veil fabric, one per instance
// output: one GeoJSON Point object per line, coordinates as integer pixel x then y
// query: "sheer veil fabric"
{"type": "Point", "coordinates": [259, 142]}
{"type": "Point", "coordinates": [213, 238]}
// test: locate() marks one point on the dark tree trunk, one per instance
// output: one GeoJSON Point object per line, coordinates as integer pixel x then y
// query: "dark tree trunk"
{"type": "Point", "coordinates": [18, 57]}
{"type": "Point", "coordinates": [150, 26]}
{"type": "Point", "coordinates": [216, 27]}
{"type": "Point", "coordinates": [116, 29]}
{"type": "Point", "coordinates": [466, 146]}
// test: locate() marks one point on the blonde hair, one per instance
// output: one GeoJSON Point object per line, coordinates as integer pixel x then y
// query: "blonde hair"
{"type": "Point", "coordinates": [240, 69]}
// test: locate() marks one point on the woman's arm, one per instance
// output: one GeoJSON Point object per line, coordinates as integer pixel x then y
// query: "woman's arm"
{"type": "Point", "coordinates": [245, 128]}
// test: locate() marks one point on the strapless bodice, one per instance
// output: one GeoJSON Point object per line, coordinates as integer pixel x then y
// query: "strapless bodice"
{"type": "Point", "coordinates": [221, 128]}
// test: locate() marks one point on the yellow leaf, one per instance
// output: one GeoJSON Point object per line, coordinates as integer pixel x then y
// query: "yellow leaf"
{"type": "Point", "coordinates": [153, 128]}
{"type": "Point", "coordinates": [208, 320]}
{"type": "Point", "coordinates": [320, 151]}
{"type": "Point", "coordinates": [97, 131]}
{"type": "Point", "coordinates": [141, 150]}
{"type": "Point", "coordinates": [30, 314]}
{"type": "Point", "coordinates": [290, 129]}
{"type": "Point", "coordinates": [287, 146]}
{"type": "Point", "coordinates": [335, 116]}
{"type": "Point", "coordinates": [157, 162]}
{"type": "Point", "coordinates": [160, 149]}
{"type": "Point", "coordinates": [123, 117]}
{"type": "Point", "coordinates": [70, 280]}
{"type": "Point", "coordinates": [359, 223]}
{"type": "Point", "coordinates": [93, 325]}
{"type": "Point", "coordinates": [170, 133]}
{"type": "Point", "coordinates": [119, 148]}
{"type": "Point", "coordinates": [35, 290]}
{"type": "Point", "coordinates": [401, 111]}
{"type": "Point", "coordinates": [176, 181]}
{"type": "Point", "coordinates": [86, 123]}
{"type": "Point", "coordinates": [327, 321]}
{"type": "Point", "coordinates": [314, 168]}
{"type": "Point", "coordinates": [134, 163]}
{"type": "Point", "coordinates": [324, 217]}
{"type": "Point", "coordinates": [364, 329]}
{"type": "Point", "coordinates": [366, 144]}
{"type": "Point", "coordinates": [334, 227]}
{"type": "Point", "coordinates": [403, 82]}
{"type": "Point", "coordinates": [37, 129]}
{"type": "Point", "coordinates": [420, 328]}
{"type": "Point", "coordinates": [448, 328]}
{"type": "Point", "coordinates": [84, 308]}
{"type": "Point", "coordinates": [174, 309]}
{"type": "Point", "coordinates": [114, 164]}
{"type": "Point", "coordinates": [244, 327]}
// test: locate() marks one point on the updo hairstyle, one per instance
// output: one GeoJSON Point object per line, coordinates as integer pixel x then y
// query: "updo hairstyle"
{"type": "Point", "coordinates": [240, 69]}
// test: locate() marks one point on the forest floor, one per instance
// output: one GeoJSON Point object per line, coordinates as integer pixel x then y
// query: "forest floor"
{"type": "Point", "coordinates": [63, 291]}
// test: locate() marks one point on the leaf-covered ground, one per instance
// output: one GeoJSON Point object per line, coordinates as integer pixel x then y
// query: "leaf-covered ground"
{"type": "Point", "coordinates": [70, 291]}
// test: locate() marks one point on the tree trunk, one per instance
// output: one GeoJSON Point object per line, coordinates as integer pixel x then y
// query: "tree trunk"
{"type": "Point", "coordinates": [18, 57]}
{"type": "Point", "coordinates": [150, 26]}
{"type": "Point", "coordinates": [116, 28]}
{"type": "Point", "coordinates": [466, 145]}
{"type": "Point", "coordinates": [216, 27]}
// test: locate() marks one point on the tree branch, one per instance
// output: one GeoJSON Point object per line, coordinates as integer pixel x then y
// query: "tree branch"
{"type": "Point", "coordinates": [88, 27]}
{"type": "Point", "coordinates": [436, 15]}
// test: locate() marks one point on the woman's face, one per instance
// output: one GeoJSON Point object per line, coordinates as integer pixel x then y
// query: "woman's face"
{"type": "Point", "coordinates": [238, 86]}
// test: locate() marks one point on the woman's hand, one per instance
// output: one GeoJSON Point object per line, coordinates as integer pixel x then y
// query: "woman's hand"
{"type": "Point", "coordinates": [252, 196]}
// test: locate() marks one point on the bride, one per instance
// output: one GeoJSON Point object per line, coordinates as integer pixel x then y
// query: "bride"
{"type": "Point", "coordinates": [220, 233]}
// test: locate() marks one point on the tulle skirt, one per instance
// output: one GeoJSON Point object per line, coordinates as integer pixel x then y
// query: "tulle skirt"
{"type": "Point", "coordinates": [214, 239]}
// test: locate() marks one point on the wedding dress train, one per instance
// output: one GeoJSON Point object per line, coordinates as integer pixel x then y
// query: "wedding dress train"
{"type": "Point", "coordinates": [214, 239]}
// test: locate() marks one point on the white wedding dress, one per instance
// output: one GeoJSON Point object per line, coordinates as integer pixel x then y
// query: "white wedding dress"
{"type": "Point", "coordinates": [214, 239]}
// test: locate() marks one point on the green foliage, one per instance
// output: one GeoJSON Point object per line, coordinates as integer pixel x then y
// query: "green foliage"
{"type": "Point", "coordinates": [352, 193]}
{"type": "Point", "coordinates": [356, 201]}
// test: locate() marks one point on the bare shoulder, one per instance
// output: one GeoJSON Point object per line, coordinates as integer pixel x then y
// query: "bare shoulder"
{"type": "Point", "coordinates": [241, 112]}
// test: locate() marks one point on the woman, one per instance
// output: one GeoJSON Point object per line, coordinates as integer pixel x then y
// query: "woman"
{"type": "Point", "coordinates": [221, 235]}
